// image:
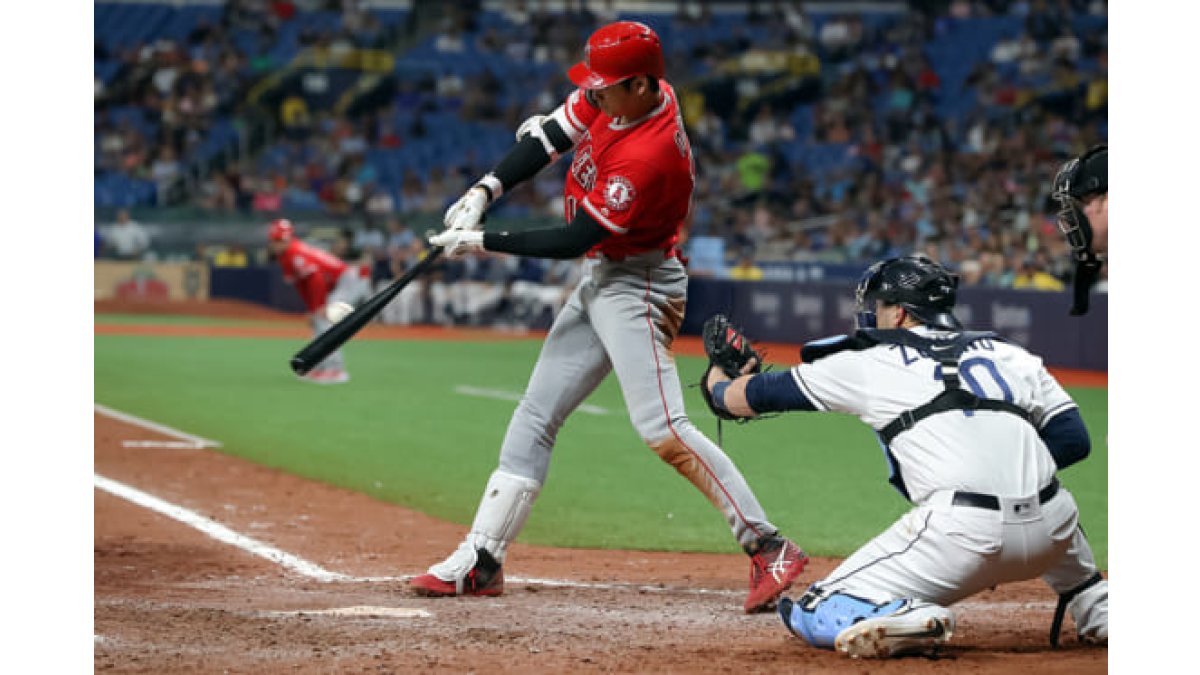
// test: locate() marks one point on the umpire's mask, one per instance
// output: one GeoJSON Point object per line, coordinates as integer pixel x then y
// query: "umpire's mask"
{"type": "Point", "coordinates": [1077, 179]}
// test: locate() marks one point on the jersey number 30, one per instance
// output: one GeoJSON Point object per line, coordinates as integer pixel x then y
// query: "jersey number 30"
{"type": "Point", "coordinates": [967, 370]}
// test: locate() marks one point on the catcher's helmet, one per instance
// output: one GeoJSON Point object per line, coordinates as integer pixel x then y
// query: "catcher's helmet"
{"type": "Point", "coordinates": [617, 52]}
{"type": "Point", "coordinates": [281, 230]}
{"type": "Point", "coordinates": [1079, 178]}
{"type": "Point", "coordinates": [922, 287]}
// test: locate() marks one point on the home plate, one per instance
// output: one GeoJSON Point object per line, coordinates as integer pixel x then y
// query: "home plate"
{"type": "Point", "coordinates": [366, 610]}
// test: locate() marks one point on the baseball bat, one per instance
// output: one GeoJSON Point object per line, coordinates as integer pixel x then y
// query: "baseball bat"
{"type": "Point", "coordinates": [326, 343]}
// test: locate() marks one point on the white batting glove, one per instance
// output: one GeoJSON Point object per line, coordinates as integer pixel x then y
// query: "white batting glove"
{"type": "Point", "coordinates": [529, 125]}
{"type": "Point", "coordinates": [467, 212]}
{"type": "Point", "coordinates": [458, 242]}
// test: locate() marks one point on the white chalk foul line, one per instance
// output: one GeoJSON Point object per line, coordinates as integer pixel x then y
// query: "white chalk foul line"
{"type": "Point", "coordinates": [502, 395]}
{"type": "Point", "coordinates": [312, 570]}
{"type": "Point", "coordinates": [171, 445]}
{"type": "Point", "coordinates": [223, 534]}
{"type": "Point", "coordinates": [216, 530]}
{"type": "Point", "coordinates": [299, 565]}
{"type": "Point", "coordinates": [196, 441]}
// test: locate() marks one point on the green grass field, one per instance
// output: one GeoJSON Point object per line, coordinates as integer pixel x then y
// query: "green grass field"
{"type": "Point", "coordinates": [400, 432]}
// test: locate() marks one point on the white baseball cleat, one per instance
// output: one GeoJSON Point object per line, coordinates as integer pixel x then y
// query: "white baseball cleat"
{"type": "Point", "coordinates": [1096, 636]}
{"type": "Point", "coordinates": [916, 628]}
{"type": "Point", "coordinates": [327, 376]}
{"type": "Point", "coordinates": [336, 376]}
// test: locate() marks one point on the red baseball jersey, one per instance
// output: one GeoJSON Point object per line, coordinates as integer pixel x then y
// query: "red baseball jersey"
{"type": "Point", "coordinates": [313, 272]}
{"type": "Point", "coordinates": [635, 178]}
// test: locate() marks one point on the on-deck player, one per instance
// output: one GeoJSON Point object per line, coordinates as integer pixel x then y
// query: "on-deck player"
{"type": "Point", "coordinates": [321, 278]}
{"type": "Point", "coordinates": [973, 428]}
{"type": "Point", "coordinates": [627, 195]}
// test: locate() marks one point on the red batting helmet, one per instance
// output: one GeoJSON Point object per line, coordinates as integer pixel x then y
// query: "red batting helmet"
{"type": "Point", "coordinates": [281, 230]}
{"type": "Point", "coordinates": [618, 52]}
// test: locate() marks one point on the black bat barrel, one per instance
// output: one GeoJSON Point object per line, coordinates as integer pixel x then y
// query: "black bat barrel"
{"type": "Point", "coordinates": [326, 343]}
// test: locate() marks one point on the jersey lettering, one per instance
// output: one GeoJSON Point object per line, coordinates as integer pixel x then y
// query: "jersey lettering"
{"type": "Point", "coordinates": [685, 150]}
{"type": "Point", "coordinates": [584, 169]}
{"type": "Point", "coordinates": [904, 355]}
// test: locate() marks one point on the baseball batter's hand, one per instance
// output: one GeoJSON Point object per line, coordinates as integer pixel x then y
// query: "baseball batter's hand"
{"type": "Point", "coordinates": [458, 242]}
{"type": "Point", "coordinates": [467, 212]}
{"type": "Point", "coordinates": [528, 126]}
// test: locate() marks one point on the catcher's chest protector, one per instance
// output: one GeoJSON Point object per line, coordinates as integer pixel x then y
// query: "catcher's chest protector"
{"type": "Point", "coordinates": [946, 351]}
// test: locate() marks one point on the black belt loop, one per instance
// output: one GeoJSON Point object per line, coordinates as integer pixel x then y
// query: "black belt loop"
{"type": "Point", "coordinates": [1049, 491]}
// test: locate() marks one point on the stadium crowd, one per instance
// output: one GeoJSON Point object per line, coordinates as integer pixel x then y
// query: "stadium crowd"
{"type": "Point", "coordinates": [894, 142]}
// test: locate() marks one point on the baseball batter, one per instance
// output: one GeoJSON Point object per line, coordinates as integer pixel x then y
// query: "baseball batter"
{"type": "Point", "coordinates": [323, 280]}
{"type": "Point", "coordinates": [974, 429]}
{"type": "Point", "coordinates": [627, 195]}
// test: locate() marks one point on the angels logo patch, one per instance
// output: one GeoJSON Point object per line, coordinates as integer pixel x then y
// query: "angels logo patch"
{"type": "Point", "coordinates": [619, 193]}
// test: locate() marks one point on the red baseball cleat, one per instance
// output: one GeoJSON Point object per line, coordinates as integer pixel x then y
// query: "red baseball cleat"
{"type": "Point", "coordinates": [485, 578]}
{"type": "Point", "coordinates": [773, 567]}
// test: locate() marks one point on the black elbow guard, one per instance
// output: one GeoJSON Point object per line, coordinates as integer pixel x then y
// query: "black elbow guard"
{"type": "Point", "coordinates": [521, 163]}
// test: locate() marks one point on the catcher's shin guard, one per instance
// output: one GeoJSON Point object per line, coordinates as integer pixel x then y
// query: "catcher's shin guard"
{"type": "Point", "coordinates": [860, 628]}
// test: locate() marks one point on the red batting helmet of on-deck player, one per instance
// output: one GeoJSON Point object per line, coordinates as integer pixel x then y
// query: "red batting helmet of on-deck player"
{"type": "Point", "coordinates": [618, 52]}
{"type": "Point", "coordinates": [281, 230]}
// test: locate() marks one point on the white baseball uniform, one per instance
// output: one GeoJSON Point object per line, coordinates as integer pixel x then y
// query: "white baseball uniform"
{"type": "Point", "coordinates": [940, 551]}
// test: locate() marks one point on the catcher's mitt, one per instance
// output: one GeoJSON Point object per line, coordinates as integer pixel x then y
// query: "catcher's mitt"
{"type": "Point", "coordinates": [730, 351]}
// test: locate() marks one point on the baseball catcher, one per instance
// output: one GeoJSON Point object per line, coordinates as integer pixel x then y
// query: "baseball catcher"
{"type": "Point", "coordinates": [973, 428]}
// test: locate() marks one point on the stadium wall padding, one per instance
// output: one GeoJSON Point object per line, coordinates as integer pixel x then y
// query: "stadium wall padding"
{"type": "Point", "coordinates": [772, 311]}
{"type": "Point", "coordinates": [794, 312]}
{"type": "Point", "coordinates": [261, 285]}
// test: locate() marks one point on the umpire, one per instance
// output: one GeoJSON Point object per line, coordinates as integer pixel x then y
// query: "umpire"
{"type": "Point", "coordinates": [1081, 190]}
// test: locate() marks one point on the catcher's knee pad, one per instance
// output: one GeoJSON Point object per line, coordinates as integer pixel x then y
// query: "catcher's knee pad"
{"type": "Point", "coordinates": [818, 617]}
{"type": "Point", "coordinates": [507, 501]}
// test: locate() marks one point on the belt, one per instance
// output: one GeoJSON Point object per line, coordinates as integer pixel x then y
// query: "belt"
{"type": "Point", "coordinates": [982, 501]}
{"type": "Point", "coordinates": [667, 253]}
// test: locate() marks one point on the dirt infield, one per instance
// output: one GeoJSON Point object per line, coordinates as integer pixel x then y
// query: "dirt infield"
{"type": "Point", "coordinates": [170, 598]}
{"type": "Point", "coordinates": [175, 597]}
